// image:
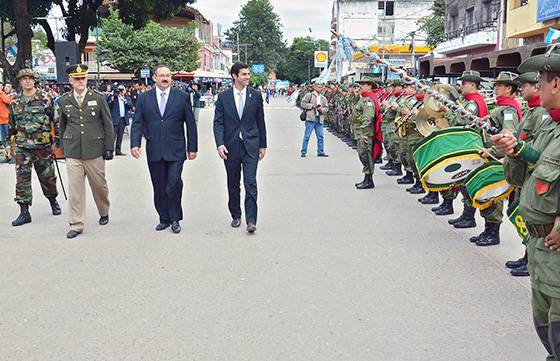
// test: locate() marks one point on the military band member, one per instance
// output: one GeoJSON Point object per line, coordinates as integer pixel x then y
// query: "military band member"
{"type": "Point", "coordinates": [405, 105]}
{"type": "Point", "coordinates": [30, 124]}
{"type": "Point", "coordinates": [533, 117]}
{"type": "Point", "coordinates": [366, 113]}
{"type": "Point", "coordinates": [87, 140]}
{"type": "Point", "coordinates": [506, 115]}
{"type": "Point", "coordinates": [390, 106]}
{"type": "Point", "coordinates": [535, 167]}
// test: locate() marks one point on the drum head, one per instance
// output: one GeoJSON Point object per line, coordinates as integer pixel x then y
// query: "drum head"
{"type": "Point", "coordinates": [453, 170]}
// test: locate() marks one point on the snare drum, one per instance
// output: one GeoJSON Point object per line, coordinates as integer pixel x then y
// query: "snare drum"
{"type": "Point", "coordinates": [487, 185]}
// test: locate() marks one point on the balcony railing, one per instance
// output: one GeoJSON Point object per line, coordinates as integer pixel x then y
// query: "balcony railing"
{"type": "Point", "coordinates": [471, 29]}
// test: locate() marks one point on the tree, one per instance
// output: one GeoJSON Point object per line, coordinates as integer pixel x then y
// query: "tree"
{"type": "Point", "coordinates": [259, 26]}
{"type": "Point", "coordinates": [129, 50]}
{"type": "Point", "coordinates": [434, 24]}
{"type": "Point", "coordinates": [258, 80]}
{"type": "Point", "coordinates": [80, 16]}
{"type": "Point", "coordinates": [299, 60]}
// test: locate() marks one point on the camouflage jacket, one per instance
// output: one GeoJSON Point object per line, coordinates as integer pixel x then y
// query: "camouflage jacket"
{"type": "Point", "coordinates": [31, 120]}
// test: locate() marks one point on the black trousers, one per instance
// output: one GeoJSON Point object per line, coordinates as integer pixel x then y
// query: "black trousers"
{"type": "Point", "coordinates": [247, 164]}
{"type": "Point", "coordinates": [168, 189]}
{"type": "Point", "coordinates": [119, 131]}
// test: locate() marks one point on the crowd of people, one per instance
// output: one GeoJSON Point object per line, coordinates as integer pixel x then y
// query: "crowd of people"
{"type": "Point", "coordinates": [518, 132]}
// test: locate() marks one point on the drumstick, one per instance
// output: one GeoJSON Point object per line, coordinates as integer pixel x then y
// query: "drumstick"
{"type": "Point", "coordinates": [490, 155]}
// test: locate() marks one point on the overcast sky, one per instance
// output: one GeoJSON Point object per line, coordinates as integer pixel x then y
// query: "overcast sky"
{"type": "Point", "coordinates": [296, 16]}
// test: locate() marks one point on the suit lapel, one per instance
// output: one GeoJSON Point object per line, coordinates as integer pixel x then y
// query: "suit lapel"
{"type": "Point", "coordinates": [169, 101]}
{"type": "Point", "coordinates": [247, 100]}
{"type": "Point", "coordinates": [233, 103]}
{"type": "Point", "coordinates": [152, 97]}
{"type": "Point", "coordinates": [73, 100]}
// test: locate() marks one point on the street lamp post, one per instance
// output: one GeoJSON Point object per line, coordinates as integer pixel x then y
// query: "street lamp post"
{"type": "Point", "coordinates": [97, 47]}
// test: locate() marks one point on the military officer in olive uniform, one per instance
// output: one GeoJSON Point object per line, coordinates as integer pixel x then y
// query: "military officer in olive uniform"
{"type": "Point", "coordinates": [364, 128]}
{"type": "Point", "coordinates": [87, 136]}
{"type": "Point", "coordinates": [31, 121]}
{"type": "Point", "coordinates": [506, 115]}
{"type": "Point", "coordinates": [533, 116]}
{"type": "Point", "coordinates": [535, 167]}
{"type": "Point", "coordinates": [390, 108]}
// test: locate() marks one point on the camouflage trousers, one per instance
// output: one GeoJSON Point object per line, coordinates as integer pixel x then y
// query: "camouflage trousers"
{"type": "Point", "coordinates": [41, 160]}
{"type": "Point", "coordinates": [406, 151]}
{"type": "Point", "coordinates": [365, 153]}
{"type": "Point", "coordinates": [390, 142]}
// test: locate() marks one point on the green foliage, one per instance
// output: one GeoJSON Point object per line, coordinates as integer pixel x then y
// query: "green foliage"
{"type": "Point", "coordinates": [259, 26]}
{"type": "Point", "coordinates": [434, 24]}
{"type": "Point", "coordinates": [295, 67]}
{"type": "Point", "coordinates": [129, 50]}
{"type": "Point", "coordinates": [259, 79]}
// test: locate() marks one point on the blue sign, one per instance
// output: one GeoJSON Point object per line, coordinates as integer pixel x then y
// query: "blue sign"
{"type": "Point", "coordinates": [548, 10]}
{"type": "Point", "coordinates": [257, 68]}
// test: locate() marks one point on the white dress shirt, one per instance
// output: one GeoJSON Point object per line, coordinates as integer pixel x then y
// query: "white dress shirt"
{"type": "Point", "coordinates": [158, 95]}
{"type": "Point", "coordinates": [243, 94]}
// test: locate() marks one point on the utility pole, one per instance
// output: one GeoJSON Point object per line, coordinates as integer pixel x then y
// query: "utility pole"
{"type": "Point", "coordinates": [238, 54]}
{"type": "Point", "coordinates": [97, 47]}
{"type": "Point", "coordinates": [3, 46]}
{"type": "Point", "coordinates": [413, 35]}
{"type": "Point", "coordinates": [309, 69]}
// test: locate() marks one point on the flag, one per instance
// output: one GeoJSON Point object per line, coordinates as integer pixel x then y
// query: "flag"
{"type": "Point", "coordinates": [553, 36]}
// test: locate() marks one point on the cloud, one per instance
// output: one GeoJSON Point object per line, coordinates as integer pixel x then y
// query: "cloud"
{"type": "Point", "coordinates": [296, 16]}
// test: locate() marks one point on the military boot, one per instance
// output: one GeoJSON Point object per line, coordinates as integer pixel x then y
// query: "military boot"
{"type": "Point", "coordinates": [520, 262]}
{"type": "Point", "coordinates": [362, 182]}
{"type": "Point", "coordinates": [521, 271]}
{"type": "Point", "coordinates": [396, 171]}
{"type": "Point", "coordinates": [417, 188]}
{"type": "Point", "coordinates": [407, 179]}
{"type": "Point", "coordinates": [55, 207]}
{"type": "Point", "coordinates": [445, 209]}
{"type": "Point", "coordinates": [467, 220]}
{"type": "Point", "coordinates": [388, 166]}
{"type": "Point", "coordinates": [368, 183]}
{"type": "Point", "coordinates": [430, 198]}
{"type": "Point", "coordinates": [492, 236]}
{"type": "Point", "coordinates": [437, 208]}
{"type": "Point", "coordinates": [24, 215]}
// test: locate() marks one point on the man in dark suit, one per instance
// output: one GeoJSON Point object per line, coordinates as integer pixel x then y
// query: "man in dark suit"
{"type": "Point", "coordinates": [120, 105]}
{"type": "Point", "coordinates": [240, 134]}
{"type": "Point", "coordinates": [161, 117]}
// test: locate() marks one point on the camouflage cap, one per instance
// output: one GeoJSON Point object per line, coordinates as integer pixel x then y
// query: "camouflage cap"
{"type": "Point", "coordinates": [26, 72]}
{"type": "Point", "coordinates": [531, 77]}
{"type": "Point", "coordinates": [549, 61]}
{"type": "Point", "coordinates": [506, 77]}
{"type": "Point", "coordinates": [471, 75]}
{"type": "Point", "coordinates": [77, 71]}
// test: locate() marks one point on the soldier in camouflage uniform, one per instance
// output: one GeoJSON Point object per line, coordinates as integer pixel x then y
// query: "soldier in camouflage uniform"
{"type": "Point", "coordinates": [533, 117]}
{"type": "Point", "coordinates": [30, 124]}
{"type": "Point", "coordinates": [353, 99]}
{"type": "Point", "coordinates": [535, 167]}
{"type": "Point", "coordinates": [391, 104]}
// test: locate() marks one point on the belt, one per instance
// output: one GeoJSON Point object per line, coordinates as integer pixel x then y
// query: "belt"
{"type": "Point", "coordinates": [539, 230]}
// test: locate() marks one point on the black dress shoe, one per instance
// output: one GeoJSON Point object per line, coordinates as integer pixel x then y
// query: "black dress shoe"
{"type": "Point", "coordinates": [323, 155]}
{"type": "Point", "coordinates": [162, 226]}
{"type": "Point", "coordinates": [103, 220]}
{"type": "Point", "coordinates": [251, 228]}
{"type": "Point", "coordinates": [72, 234]}
{"type": "Point", "coordinates": [236, 223]}
{"type": "Point", "coordinates": [120, 153]}
{"type": "Point", "coordinates": [521, 271]}
{"type": "Point", "coordinates": [175, 227]}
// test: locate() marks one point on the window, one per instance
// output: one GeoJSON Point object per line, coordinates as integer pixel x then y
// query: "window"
{"type": "Point", "coordinates": [454, 23]}
{"type": "Point", "coordinates": [470, 16]}
{"type": "Point", "coordinates": [386, 8]}
{"type": "Point", "coordinates": [487, 11]}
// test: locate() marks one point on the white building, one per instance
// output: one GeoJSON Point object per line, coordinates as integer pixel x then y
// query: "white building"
{"type": "Point", "coordinates": [388, 27]}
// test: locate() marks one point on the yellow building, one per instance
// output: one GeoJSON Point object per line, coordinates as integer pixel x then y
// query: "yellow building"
{"type": "Point", "coordinates": [523, 19]}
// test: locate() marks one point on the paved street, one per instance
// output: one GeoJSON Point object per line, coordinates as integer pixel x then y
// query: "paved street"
{"type": "Point", "coordinates": [331, 274]}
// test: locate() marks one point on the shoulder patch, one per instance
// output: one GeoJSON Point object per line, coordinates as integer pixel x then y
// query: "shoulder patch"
{"type": "Point", "coordinates": [472, 107]}
{"type": "Point", "coordinates": [508, 115]}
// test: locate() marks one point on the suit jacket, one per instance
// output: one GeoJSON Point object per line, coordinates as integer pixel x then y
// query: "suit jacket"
{"type": "Point", "coordinates": [307, 103]}
{"type": "Point", "coordinates": [86, 131]}
{"type": "Point", "coordinates": [113, 102]}
{"type": "Point", "coordinates": [228, 125]}
{"type": "Point", "coordinates": [165, 136]}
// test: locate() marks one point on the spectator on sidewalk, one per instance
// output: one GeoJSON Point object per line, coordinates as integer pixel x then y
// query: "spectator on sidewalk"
{"type": "Point", "coordinates": [120, 106]}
